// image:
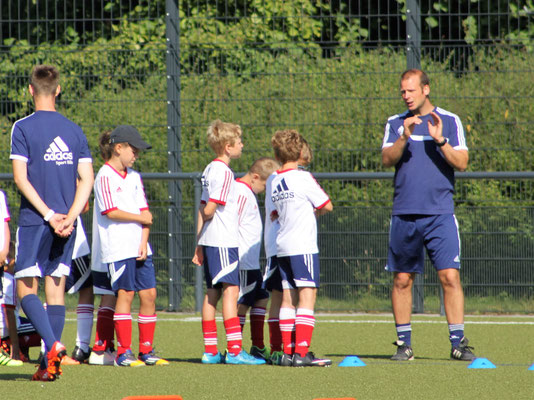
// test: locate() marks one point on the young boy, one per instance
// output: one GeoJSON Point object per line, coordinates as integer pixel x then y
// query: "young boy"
{"type": "Point", "coordinates": [217, 246]}
{"type": "Point", "coordinates": [298, 199]}
{"type": "Point", "coordinates": [49, 154]}
{"type": "Point", "coordinates": [272, 280]}
{"type": "Point", "coordinates": [122, 219]}
{"type": "Point", "coordinates": [251, 293]}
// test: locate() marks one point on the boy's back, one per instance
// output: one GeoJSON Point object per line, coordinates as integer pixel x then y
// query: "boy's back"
{"type": "Point", "coordinates": [52, 146]}
{"type": "Point", "coordinates": [250, 226]}
{"type": "Point", "coordinates": [296, 194]}
{"type": "Point", "coordinates": [218, 186]}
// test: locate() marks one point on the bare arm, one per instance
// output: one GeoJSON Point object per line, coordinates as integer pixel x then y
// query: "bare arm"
{"type": "Point", "coordinates": [145, 218]}
{"type": "Point", "coordinates": [205, 213]}
{"type": "Point", "coordinates": [457, 159]}
{"type": "Point", "coordinates": [392, 154]}
{"type": "Point", "coordinates": [328, 207]}
{"type": "Point", "coordinates": [143, 247]}
{"type": "Point", "coordinates": [5, 248]}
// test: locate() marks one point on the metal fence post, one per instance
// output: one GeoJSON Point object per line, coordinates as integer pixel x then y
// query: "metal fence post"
{"type": "Point", "coordinates": [199, 290]}
{"type": "Point", "coordinates": [413, 60]}
{"type": "Point", "coordinates": [174, 163]}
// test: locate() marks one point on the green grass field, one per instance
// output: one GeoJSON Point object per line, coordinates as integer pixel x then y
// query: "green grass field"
{"type": "Point", "coordinates": [505, 340]}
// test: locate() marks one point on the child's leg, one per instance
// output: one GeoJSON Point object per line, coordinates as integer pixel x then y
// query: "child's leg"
{"type": "Point", "coordinates": [275, 336]}
{"type": "Point", "coordinates": [209, 327]}
{"type": "Point", "coordinates": [287, 319]}
{"type": "Point", "coordinates": [55, 300]}
{"type": "Point", "coordinates": [242, 314]}
{"type": "Point", "coordinates": [105, 330]}
{"type": "Point", "coordinates": [147, 319]}
{"type": "Point", "coordinates": [84, 314]}
{"type": "Point", "coordinates": [230, 294]}
{"type": "Point", "coordinates": [257, 322]}
{"type": "Point", "coordinates": [305, 320]}
{"type": "Point", "coordinates": [123, 320]}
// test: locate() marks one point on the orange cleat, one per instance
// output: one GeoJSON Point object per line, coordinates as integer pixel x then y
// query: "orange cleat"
{"type": "Point", "coordinates": [69, 361]}
{"type": "Point", "coordinates": [55, 355]}
{"type": "Point", "coordinates": [41, 375]}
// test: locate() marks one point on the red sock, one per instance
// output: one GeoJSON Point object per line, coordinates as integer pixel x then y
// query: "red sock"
{"type": "Point", "coordinates": [209, 331]}
{"type": "Point", "coordinates": [257, 322]}
{"type": "Point", "coordinates": [304, 325]}
{"type": "Point", "coordinates": [123, 328]}
{"type": "Point", "coordinates": [242, 320]}
{"type": "Point", "coordinates": [287, 329]}
{"type": "Point", "coordinates": [275, 337]}
{"type": "Point", "coordinates": [233, 335]}
{"type": "Point", "coordinates": [147, 327]}
{"type": "Point", "coordinates": [105, 330]}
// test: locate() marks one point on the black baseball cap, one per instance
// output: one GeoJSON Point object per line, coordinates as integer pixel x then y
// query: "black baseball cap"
{"type": "Point", "coordinates": [128, 134]}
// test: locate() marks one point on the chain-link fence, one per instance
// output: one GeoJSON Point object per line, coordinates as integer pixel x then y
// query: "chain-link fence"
{"type": "Point", "coordinates": [328, 69]}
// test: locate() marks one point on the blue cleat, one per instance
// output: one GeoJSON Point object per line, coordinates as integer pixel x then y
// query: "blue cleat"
{"type": "Point", "coordinates": [243, 358]}
{"type": "Point", "coordinates": [208, 358]}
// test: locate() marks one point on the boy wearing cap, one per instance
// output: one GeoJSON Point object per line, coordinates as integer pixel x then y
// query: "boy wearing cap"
{"type": "Point", "coordinates": [48, 152]}
{"type": "Point", "coordinates": [121, 223]}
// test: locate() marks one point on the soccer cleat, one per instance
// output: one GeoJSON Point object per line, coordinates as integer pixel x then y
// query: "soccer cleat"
{"type": "Point", "coordinates": [7, 361]}
{"type": "Point", "coordinates": [309, 360]}
{"type": "Point", "coordinates": [128, 359]}
{"type": "Point", "coordinates": [243, 358]}
{"type": "Point", "coordinates": [79, 355]}
{"type": "Point", "coordinates": [286, 360]}
{"type": "Point", "coordinates": [41, 375]}
{"type": "Point", "coordinates": [256, 352]}
{"type": "Point", "coordinates": [101, 358]}
{"type": "Point", "coordinates": [69, 361]}
{"type": "Point", "coordinates": [209, 358]}
{"type": "Point", "coordinates": [54, 356]}
{"type": "Point", "coordinates": [276, 357]}
{"type": "Point", "coordinates": [404, 352]}
{"type": "Point", "coordinates": [463, 352]}
{"type": "Point", "coordinates": [152, 359]}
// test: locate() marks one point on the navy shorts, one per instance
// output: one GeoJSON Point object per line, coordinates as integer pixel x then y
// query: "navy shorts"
{"type": "Point", "coordinates": [101, 283]}
{"type": "Point", "coordinates": [80, 275]}
{"type": "Point", "coordinates": [221, 265]}
{"type": "Point", "coordinates": [132, 275]}
{"type": "Point", "coordinates": [272, 279]}
{"type": "Point", "coordinates": [250, 290]}
{"type": "Point", "coordinates": [409, 235]}
{"type": "Point", "coordinates": [300, 271]}
{"type": "Point", "coordinates": [40, 252]}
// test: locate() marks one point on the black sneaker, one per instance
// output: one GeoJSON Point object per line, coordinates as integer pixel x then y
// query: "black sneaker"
{"type": "Point", "coordinates": [463, 352]}
{"type": "Point", "coordinates": [309, 360]}
{"type": "Point", "coordinates": [79, 355]}
{"type": "Point", "coordinates": [286, 360]}
{"type": "Point", "coordinates": [404, 352]}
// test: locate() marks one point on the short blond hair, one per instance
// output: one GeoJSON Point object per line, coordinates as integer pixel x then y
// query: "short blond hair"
{"type": "Point", "coordinates": [222, 133]}
{"type": "Point", "coordinates": [264, 167]}
{"type": "Point", "coordinates": [44, 79]}
{"type": "Point", "coordinates": [287, 145]}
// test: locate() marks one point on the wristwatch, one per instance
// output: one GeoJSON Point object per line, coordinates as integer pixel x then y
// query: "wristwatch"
{"type": "Point", "coordinates": [441, 144]}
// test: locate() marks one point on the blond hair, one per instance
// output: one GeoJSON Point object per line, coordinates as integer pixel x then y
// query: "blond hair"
{"type": "Point", "coordinates": [264, 167]}
{"type": "Point", "coordinates": [222, 133]}
{"type": "Point", "coordinates": [44, 79]}
{"type": "Point", "coordinates": [287, 145]}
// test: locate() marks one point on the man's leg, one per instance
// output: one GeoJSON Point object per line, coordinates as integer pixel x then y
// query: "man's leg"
{"type": "Point", "coordinates": [401, 302]}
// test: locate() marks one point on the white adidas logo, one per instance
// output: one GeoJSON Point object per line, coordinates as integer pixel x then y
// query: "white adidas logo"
{"type": "Point", "coordinates": [59, 152]}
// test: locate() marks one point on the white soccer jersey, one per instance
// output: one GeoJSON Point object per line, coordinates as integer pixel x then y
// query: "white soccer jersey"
{"type": "Point", "coordinates": [296, 194]}
{"type": "Point", "coordinates": [250, 227]}
{"type": "Point", "coordinates": [218, 185]}
{"type": "Point", "coordinates": [4, 217]}
{"type": "Point", "coordinates": [81, 246]}
{"type": "Point", "coordinates": [271, 227]}
{"type": "Point", "coordinates": [8, 300]}
{"type": "Point", "coordinates": [117, 240]}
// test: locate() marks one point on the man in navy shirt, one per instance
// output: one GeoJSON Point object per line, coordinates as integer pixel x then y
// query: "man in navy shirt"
{"type": "Point", "coordinates": [48, 152]}
{"type": "Point", "coordinates": [425, 144]}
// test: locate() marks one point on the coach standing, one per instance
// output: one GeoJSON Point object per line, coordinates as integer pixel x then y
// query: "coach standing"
{"type": "Point", "coordinates": [425, 144]}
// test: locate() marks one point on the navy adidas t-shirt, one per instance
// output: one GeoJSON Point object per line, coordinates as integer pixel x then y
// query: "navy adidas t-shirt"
{"type": "Point", "coordinates": [52, 146]}
{"type": "Point", "coordinates": [424, 181]}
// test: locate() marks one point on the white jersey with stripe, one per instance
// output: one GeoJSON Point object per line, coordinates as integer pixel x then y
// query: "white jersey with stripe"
{"type": "Point", "coordinates": [218, 186]}
{"type": "Point", "coordinates": [114, 240]}
{"type": "Point", "coordinates": [81, 246]}
{"type": "Point", "coordinates": [271, 227]}
{"type": "Point", "coordinates": [250, 227]}
{"type": "Point", "coordinates": [296, 194]}
{"type": "Point", "coordinates": [4, 217]}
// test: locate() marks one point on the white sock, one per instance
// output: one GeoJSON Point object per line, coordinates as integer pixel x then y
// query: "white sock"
{"type": "Point", "coordinates": [84, 329]}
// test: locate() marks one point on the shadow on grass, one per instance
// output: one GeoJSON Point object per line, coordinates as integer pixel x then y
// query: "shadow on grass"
{"type": "Point", "coordinates": [185, 360]}
{"type": "Point", "coordinates": [15, 377]}
{"type": "Point", "coordinates": [380, 357]}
